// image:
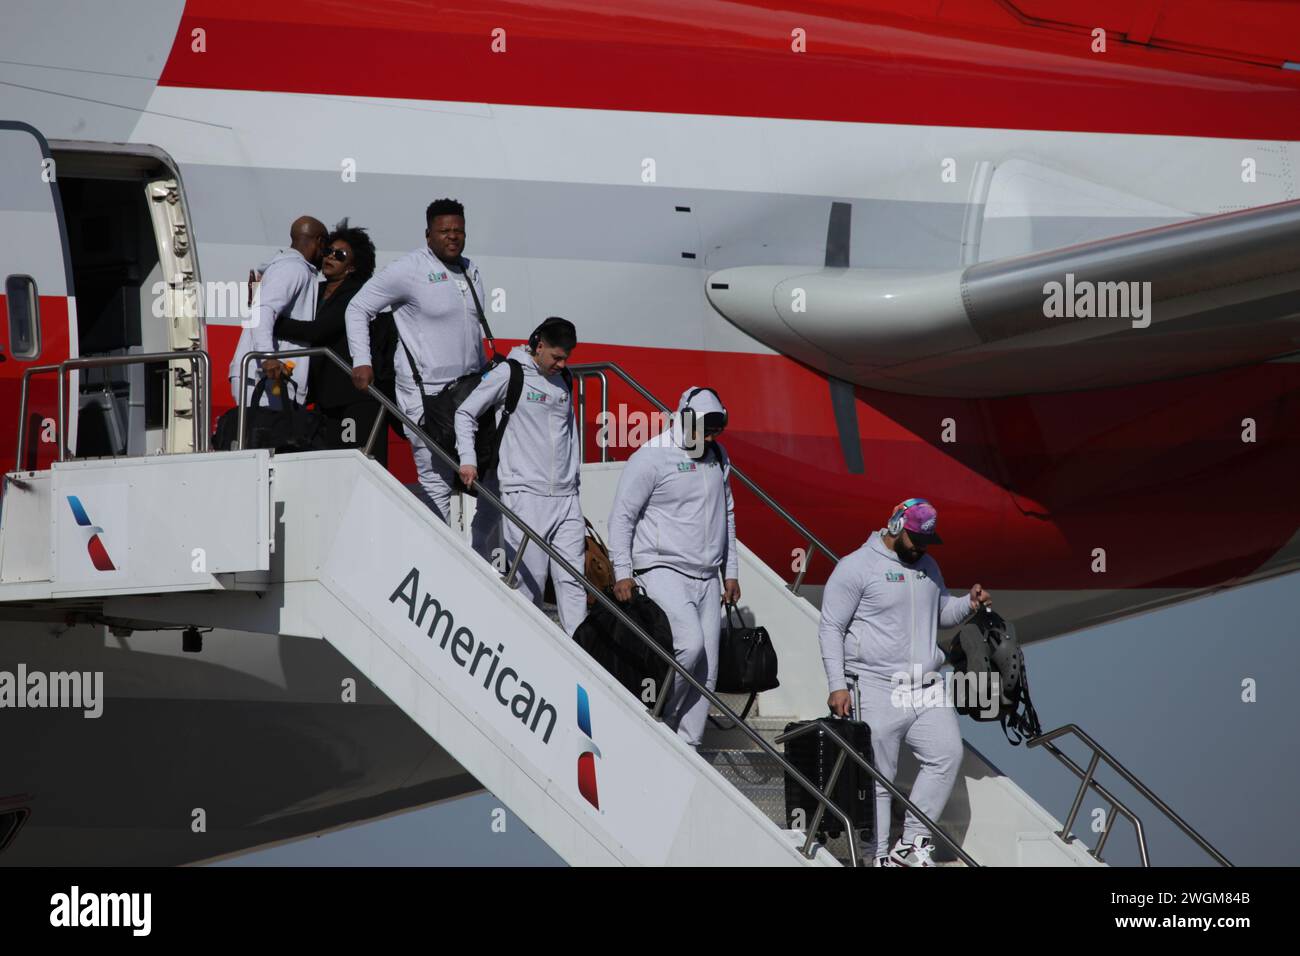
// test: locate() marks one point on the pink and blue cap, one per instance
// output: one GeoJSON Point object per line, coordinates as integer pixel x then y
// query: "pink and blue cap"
{"type": "Point", "coordinates": [921, 521]}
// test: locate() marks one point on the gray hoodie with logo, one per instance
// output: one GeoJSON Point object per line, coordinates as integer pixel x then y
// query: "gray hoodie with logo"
{"type": "Point", "coordinates": [539, 451]}
{"type": "Point", "coordinates": [673, 506]}
{"type": "Point", "coordinates": [880, 616]}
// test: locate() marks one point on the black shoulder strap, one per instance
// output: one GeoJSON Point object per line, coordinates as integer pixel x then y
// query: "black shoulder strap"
{"type": "Point", "coordinates": [514, 390]}
{"type": "Point", "coordinates": [1022, 725]}
{"type": "Point", "coordinates": [415, 372]}
{"type": "Point", "coordinates": [478, 306]}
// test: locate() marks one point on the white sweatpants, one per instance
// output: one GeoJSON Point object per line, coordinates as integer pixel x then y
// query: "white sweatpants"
{"type": "Point", "coordinates": [931, 732]}
{"type": "Point", "coordinates": [559, 522]}
{"type": "Point", "coordinates": [694, 610]}
{"type": "Point", "coordinates": [438, 480]}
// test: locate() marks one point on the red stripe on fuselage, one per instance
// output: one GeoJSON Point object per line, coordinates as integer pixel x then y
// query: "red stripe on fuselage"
{"type": "Point", "coordinates": [974, 65]}
{"type": "Point", "coordinates": [1028, 489]}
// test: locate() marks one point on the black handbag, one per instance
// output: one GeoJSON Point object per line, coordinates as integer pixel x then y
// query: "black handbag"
{"type": "Point", "coordinates": [287, 429]}
{"type": "Point", "coordinates": [746, 660]}
{"type": "Point", "coordinates": [439, 419]}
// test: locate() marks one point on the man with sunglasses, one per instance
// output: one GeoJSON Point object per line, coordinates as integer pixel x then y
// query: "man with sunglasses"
{"type": "Point", "coordinates": [288, 287]}
{"type": "Point", "coordinates": [673, 526]}
{"type": "Point", "coordinates": [881, 610]}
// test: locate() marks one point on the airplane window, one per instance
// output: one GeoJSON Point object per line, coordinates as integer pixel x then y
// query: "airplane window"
{"type": "Point", "coordinates": [24, 317]}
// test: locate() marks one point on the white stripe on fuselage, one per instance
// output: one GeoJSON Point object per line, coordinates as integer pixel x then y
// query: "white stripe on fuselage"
{"type": "Point", "coordinates": [793, 157]}
{"type": "Point", "coordinates": [757, 168]}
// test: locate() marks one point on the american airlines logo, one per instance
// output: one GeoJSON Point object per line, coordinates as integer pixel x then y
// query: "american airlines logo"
{"type": "Point", "coordinates": [94, 545]}
{"type": "Point", "coordinates": [587, 751]}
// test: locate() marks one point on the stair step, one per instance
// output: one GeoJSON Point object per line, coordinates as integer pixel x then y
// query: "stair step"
{"type": "Point", "coordinates": [733, 738]}
{"type": "Point", "coordinates": [762, 781]}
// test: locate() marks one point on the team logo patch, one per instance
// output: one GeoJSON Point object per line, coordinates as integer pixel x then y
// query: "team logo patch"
{"type": "Point", "coordinates": [531, 396]}
{"type": "Point", "coordinates": [587, 752]}
{"type": "Point", "coordinates": [437, 277]}
{"type": "Point", "coordinates": [686, 466]}
{"type": "Point", "coordinates": [895, 576]}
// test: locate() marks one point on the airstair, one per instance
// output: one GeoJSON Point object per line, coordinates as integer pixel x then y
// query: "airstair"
{"type": "Point", "coordinates": [330, 546]}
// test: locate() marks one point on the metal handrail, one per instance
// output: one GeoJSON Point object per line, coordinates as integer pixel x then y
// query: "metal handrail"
{"type": "Point", "coordinates": [200, 365]}
{"type": "Point", "coordinates": [1087, 782]}
{"type": "Point", "coordinates": [847, 750]}
{"type": "Point", "coordinates": [412, 429]}
{"type": "Point", "coordinates": [584, 369]}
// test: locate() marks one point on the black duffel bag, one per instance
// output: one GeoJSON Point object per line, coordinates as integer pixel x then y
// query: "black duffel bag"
{"type": "Point", "coordinates": [287, 429]}
{"type": "Point", "coordinates": [439, 419]}
{"type": "Point", "coordinates": [746, 660]}
{"type": "Point", "coordinates": [622, 652]}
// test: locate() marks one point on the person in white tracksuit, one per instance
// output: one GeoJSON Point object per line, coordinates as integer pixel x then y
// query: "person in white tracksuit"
{"type": "Point", "coordinates": [539, 464]}
{"type": "Point", "coordinates": [673, 526]}
{"type": "Point", "coordinates": [288, 287]}
{"type": "Point", "coordinates": [880, 613]}
{"type": "Point", "coordinates": [438, 326]}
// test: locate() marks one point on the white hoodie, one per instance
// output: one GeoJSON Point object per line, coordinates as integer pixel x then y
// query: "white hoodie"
{"type": "Point", "coordinates": [880, 616]}
{"type": "Point", "coordinates": [289, 287]}
{"type": "Point", "coordinates": [539, 451]}
{"type": "Point", "coordinates": [673, 508]}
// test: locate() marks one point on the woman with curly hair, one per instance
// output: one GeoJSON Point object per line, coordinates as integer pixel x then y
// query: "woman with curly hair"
{"type": "Point", "coordinates": [349, 262]}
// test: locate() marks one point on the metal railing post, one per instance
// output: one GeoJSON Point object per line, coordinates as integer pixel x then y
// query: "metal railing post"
{"type": "Point", "coordinates": [580, 381]}
{"type": "Point", "coordinates": [829, 789]}
{"type": "Point", "coordinates": [62, 435]}
{"type": "Point", "coordinates": [1105, 832]}
{"type": "Point", "coordinates": [514, 565]}
{"type": "Point", "coordinates": [375, 431]}
{"type": "Point", "coordinates": [803, 569]}
{"type": "Point", "coordinates": [1078, 798]}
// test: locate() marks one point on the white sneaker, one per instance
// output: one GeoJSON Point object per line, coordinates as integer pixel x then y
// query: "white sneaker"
{"type": "Point", "coordinates": [916, 853]}
{"type": "Point", "coordinates": [885, 861]}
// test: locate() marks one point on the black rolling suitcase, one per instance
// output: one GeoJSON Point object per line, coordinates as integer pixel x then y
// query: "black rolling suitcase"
{"type": "Point", "coordinates": [813, 755]}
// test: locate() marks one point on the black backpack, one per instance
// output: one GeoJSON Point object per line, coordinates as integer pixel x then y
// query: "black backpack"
{"type": "Point", "coordinates": [621, 651]}
{"type": "Point", "coordinates": [992, 649]}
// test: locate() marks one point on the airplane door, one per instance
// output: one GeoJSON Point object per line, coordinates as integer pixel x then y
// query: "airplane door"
{"type": "Point", "coordinates": [37, 311]}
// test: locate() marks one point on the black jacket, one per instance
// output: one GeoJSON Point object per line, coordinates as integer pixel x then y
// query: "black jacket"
{"type": "Point", "coordinates": [328, 385]}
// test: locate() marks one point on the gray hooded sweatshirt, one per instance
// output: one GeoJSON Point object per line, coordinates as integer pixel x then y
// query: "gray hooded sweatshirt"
{"type": "Point", "coordinates": [673, 508]}
{"type": "Point", "coordinates": [539, 451]}
{"type": "Point", "coordinates": [880, 616]}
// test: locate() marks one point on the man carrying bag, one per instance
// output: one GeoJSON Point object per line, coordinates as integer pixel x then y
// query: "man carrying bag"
{"type": "Point", "coordinates": [436, 296]}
